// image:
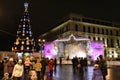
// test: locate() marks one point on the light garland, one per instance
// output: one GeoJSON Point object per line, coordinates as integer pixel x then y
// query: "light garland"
{"type": "Point", "coordinates": [72, 36]}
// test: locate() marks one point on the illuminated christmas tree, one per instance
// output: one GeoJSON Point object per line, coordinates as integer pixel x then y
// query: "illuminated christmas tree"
{"type": "Point", "coordinates": [24, 44]}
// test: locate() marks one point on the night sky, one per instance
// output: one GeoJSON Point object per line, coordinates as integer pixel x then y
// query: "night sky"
{"type": "Point", "coordinates": [44, 14]}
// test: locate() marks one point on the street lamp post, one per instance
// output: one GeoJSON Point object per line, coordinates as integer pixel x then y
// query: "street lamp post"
{"type": "Point", "coordinates": [41, 46]}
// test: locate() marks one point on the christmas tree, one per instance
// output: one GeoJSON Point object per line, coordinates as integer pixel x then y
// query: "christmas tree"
{"type": "Point", "coordinates": [24, 44]}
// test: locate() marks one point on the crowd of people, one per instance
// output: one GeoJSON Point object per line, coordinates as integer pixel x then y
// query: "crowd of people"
{"type": "Point", "coordinates": [37, 68]}
{"type": "Point", "coordinates": [100, 71]}
{"type": "Point", "coordinates": [27, 68]}
{"type": "Point", "coordinates": [100, 67]}
{"type": "Point", "coordinates": [79, 64]}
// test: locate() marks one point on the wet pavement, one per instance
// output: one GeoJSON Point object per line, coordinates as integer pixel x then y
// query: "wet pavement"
{"type": "Point", "coordinates": [65, 72]}
{"type": "Point", "coordinates": [114, 73]}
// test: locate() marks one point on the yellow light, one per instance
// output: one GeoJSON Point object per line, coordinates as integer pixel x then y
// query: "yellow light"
{"type": "Point", "coordinates": [17, 42]}
{"type": "Point", "coordinates": [43, 40]}
{"type": "Point", "coordinates": [23, 34]}
{"type": "Point", "coordinates": [39, 40]}
{"type": "Point", "coordinates": [22, 42]}
{"type": "Point", "coordinates": [27, 37]}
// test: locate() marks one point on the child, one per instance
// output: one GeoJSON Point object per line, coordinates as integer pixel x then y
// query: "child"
{"type": "Point", "coordinates": [97, 74]}
{"type": "Point", "coordinates": [33, 75]}
{"type": "Point", "coordinates": [6, 77]}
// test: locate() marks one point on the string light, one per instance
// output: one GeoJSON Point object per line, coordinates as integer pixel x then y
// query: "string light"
{"type": "Point", "coordinates": [22, 42]}
{"type": "Point", "coordinates": [74, 38]}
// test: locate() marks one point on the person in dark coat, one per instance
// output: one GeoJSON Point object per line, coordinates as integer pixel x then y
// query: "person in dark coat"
{"type": "Point", "coordinates": [1, 69]}
{"type": "Point", "coordinates": [103, 67]}
{"type": "Point", "coordinates": [60, 61]}
{"type": "Point", "coordinates": [85, 64]}
{"type": "Point", "coordinates": [44, 64]}
{"type": "Point", "coordinates": [5, 66]}
{"type": "Point", "coordinates": [10, 66]}
{"type": "Point", "coordinates": [55, 64]}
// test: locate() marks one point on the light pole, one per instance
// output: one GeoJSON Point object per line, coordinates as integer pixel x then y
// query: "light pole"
{"type": "Point", "coordinates": [41, 43]}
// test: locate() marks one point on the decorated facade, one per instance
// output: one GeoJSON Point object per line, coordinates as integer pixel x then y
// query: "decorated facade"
{"type": "Point", "coordinates": [102, 36]}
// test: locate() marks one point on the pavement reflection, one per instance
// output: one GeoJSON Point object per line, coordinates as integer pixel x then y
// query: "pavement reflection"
{"type": "Point", "coordinates": [65, 72]}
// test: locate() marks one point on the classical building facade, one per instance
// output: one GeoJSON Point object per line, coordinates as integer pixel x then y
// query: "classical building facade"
{"type": "Point", "coordinates": [93, 29]}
